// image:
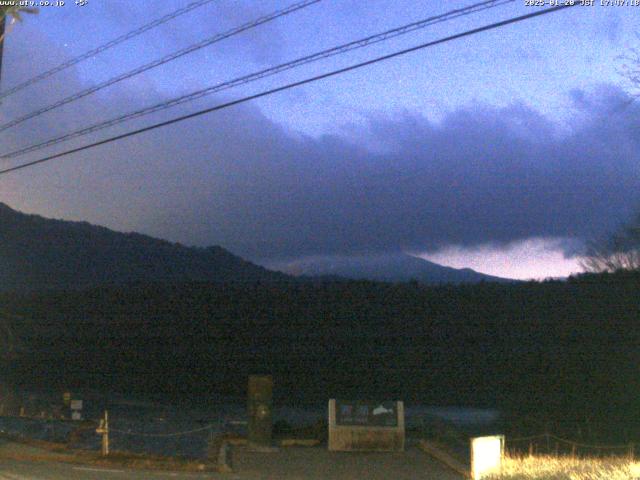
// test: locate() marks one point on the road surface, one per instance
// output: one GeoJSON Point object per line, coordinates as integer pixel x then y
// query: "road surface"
{"type": "Point", "coordinates": [287, 464]}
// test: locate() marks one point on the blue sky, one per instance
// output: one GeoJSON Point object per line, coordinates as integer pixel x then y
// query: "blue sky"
{"type": "Point", "coordinates": [504, 151]}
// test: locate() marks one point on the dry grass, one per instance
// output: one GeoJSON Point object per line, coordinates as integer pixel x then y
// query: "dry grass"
{"type": "Point", "coordinates": [566, 468]}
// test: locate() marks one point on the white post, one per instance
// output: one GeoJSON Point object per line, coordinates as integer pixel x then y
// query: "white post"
{"type": "Point", "coordinates": [486, 456]}
{"type": "Point", "coordinates": [103, 428]}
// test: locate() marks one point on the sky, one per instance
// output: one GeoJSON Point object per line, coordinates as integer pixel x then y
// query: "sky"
{"type": "Point", "coordinates": [504, 152]}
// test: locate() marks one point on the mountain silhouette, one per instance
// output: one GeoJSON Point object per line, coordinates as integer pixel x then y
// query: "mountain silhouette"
{"type": "Point", "coordinates": [38, 253]}
{"type": "Point", "coordinates": [399, 267]}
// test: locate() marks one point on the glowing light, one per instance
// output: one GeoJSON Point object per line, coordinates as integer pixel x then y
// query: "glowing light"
{"type": "Point", "coordinates": [486, 456]}
{"type": "Point", "coordinates": [534, 258]}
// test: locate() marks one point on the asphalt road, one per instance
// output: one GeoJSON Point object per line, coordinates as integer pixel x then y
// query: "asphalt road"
{"type": "Point", "coordinates": [286, 464]}
{"type": "Point", "coordinates": [19, 470]}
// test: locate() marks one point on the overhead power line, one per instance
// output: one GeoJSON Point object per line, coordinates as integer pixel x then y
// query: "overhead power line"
{"type": "Point", "coordinates": [364, 42]}
{"type": "Point", "coordinates": [167, 58]}
{"type": "Point", "coordinates": [332, 73]}
{"type": "Point", "coordinates": [106, 46]}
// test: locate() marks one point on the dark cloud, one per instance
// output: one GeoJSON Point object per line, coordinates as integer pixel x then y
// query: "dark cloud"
{"type": "Point", "coordinates": [481, 175]}
{"type": "Point", "coordinates": [235, 178]}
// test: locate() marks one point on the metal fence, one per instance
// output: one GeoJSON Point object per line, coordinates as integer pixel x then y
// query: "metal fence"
{"type": "Point", "coordinates": [550, 444]}
{"type": "Point", "coordinates": [184, 438]}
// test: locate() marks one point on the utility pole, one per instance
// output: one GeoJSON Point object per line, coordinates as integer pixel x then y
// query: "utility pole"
{"type": "Point", "coordinates": [2, 22]}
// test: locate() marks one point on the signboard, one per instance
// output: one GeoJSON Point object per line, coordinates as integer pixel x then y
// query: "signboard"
{"type": "Point", "coordinates": [379, 414]}
{"type": "Point", "coordinates": [76, 409]}
{"type": "Point", "coordinates": [366, 426]}
{"type": "Point", "coordinates": [486, 456]}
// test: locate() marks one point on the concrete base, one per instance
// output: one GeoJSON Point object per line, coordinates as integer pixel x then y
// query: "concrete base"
{"type": "Point", "coordinates": [225, 458]}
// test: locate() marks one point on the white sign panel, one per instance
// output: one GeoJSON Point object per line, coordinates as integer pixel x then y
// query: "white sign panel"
{"type": "Point", "coordinates": [486, 456]}
{"type": "Point", "coordinates": [76, 404]}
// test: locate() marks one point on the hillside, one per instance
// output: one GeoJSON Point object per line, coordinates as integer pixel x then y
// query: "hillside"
{"type": "Point", "coordinates": [561, 350]}
{"type": "Point", "coordinates": [387, 268]}
{"type": "Point", "coordinates": [39, 253]}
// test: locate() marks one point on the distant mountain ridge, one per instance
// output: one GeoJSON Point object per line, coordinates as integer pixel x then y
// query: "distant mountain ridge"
{"type": "Point", "coordinates": [39, 253]}
{"type": "Point", "coordinates": [398, 267]}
